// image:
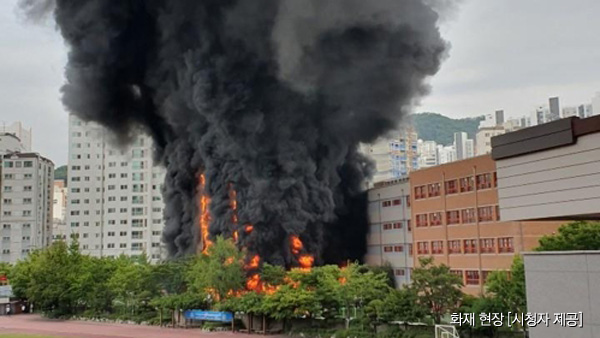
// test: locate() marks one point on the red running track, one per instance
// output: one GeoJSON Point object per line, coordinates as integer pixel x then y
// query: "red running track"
{"type": "Point", "coordinates": [34, 324]}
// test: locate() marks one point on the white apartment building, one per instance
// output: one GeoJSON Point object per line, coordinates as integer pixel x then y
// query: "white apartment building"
{"type": "Point", "coordinates": [25, 204]}
{"type": "Point", "coordinates": [114, 199]}
{"type": "Point", "coordinates": [389, 240]}
{"type": "Point", "coordinates": [59, 211]}
{"type": "Point", "coordinates": [394, 156]}
{"type": "Point", "coordinates": [446, 154]}
{"type": "Point", "coordinates": [17, 129]}
{"type": "Point", "coordinates": [465, 147]}
{"type": "Point", "coordinates": [484, 139]}
{"type": "Point", "coordinates": [9, 143]}
{"type": "Point", "coordinates": [427, 153]}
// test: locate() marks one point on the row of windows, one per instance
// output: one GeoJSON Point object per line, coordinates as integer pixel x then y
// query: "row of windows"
{"type": "Point", "coordinates": [462, 216]}
{"type": "Point", "coordinates": [134, 187]}
{"type": "Point", "coordinates": [398, 248]}
{"type": "Point", "coordinates": [395, 202]}
{"type": "Point", "coordinates": [471, 277]}
{"type": "Point", "coordinates": [9, 188]}
{"type": "Point", "coordinates": [135, 223]}
{"type": "Point", "coordinates": [9, 226]}
{"type": "Point", "coordinates": [455, 186]}
{"type": "Point", "coordinates": [7, 238]}
{"type": "Point", "coordinates": [18, 164]}
{"type": "Point", "coordinates": [23, 213]}
{"type": "Point", "coordinates": [9, 201]}
{"type": "Point", "coordinates": [14, 176]}
{"type": "Point", "coordinates": [468, 246]}
{"type": "Point", "coordinates": [396, 225]}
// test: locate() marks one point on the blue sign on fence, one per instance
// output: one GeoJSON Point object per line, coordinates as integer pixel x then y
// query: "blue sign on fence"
{"type": "Point", "coordinates": [214, 316]}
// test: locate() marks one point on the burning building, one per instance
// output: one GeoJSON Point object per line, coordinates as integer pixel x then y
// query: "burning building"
{"type": "Point", "coordinates": [256, 107]}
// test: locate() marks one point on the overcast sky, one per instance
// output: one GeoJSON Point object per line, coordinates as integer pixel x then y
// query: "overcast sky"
{"type": "Point", "coordinates": [509, 54]}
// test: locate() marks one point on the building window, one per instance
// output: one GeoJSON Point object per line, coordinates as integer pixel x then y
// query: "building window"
{"type": "Point", "coordinates": [435, 218]}
{"type": "Point", "coordinates": [434, 189]}
{"type": "Point", "coordinates": [487, 245]}
{"type": "Point", "coordinates": [137, 234]}
{"type": "Point", "coordinates": [454, 247]}
{"type": "Point", "coordinates": [388, 248]}
{"type": "Point", "coordinates": [387, 226]}
{"type": "Point", "coordinates": [472, 277]}
{"type": "Point", "coordinates": [399, 272]}
{"type": "Point", "coordinates": [453, 217]}
{"type": "Point", "coordinates": [410, 249]}
{"type": "Point", "coordinates": [484, 181]}
{"type": "Point", "coordinates": [111, 245]}
{"type": "Point", "coordinates": [468, 215]}
{"type": "Point", "coordinates": [467, 184]}
{"type": "Point", "coordinates": [485, 214]}
{"type": "Point", "coordinates": [420, 192]}
{"type": "Point", "coordinates": [505, 245]}
{"type": "Point", "coordinates": [136, 246]}
{"type": "Point", "coordinates": [397, 202]}
{"type": "Point", "coordinates": [386, 204]}
{"type": "Point", "coordinates": [398, 225]}
{"type": "Point", "coordinates": [398, 248]}
{"type": "Point", "coordinates": [495, 179]}
{"type": "Point", "coordinates": [484, 276]}
{"type": "Point", "coordinates": [458, 273]}
{"type": "Point", "coordinates": [470, 246]}
{"type": "Point", "coordinates": [451, 187]}
{"type": "Point", "coordinates": [137, 211]}
{"type": "Point", "coordinates": [137, 223]}
{"type": "Point", "coordinates": [111, 234]}
{"type": "Point", "coordinates": [408, 225]}
{"type": "Point", "coordinates": [422, 248]}
{"type": "Point", "coordinates": [421, 220]}
{"type": "Point", "coordinates": [437, 247]}
{"type": "Point", "coordinates": [155, 233]}
{"type": "Point", "coordinates": [497, 213]}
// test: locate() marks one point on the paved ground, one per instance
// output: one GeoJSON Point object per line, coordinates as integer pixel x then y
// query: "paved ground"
{"type": "Point", "coordinates": [34, 324]}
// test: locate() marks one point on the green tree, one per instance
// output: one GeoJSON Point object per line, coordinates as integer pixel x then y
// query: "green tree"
{"type": "Point", "coordinates": [399, 305]}
{"type": "Point", "coordinates": [438, 290]}
{"type": "Point", "coordinates": [509, 292]}
{"type": "Point", "coordinates": [220, 271]}
{"type": "Point", "coordinates": [291, 302]}
{"type": "Point", "coordinates": [5, 269]}
{"type": "Point", "coordinates": [132, 284]}
{"type": "Point", "coordinates": [581, 235]}
{"type": "Point", "coordinates": [48, 278]}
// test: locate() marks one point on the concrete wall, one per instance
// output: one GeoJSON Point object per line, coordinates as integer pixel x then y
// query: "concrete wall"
{"type": "Point", "coordinates": [564, 282]}
{"type": "Point", "coordinates": [559, 182]}
{"type": "Point", "coordinates": [378, 238]}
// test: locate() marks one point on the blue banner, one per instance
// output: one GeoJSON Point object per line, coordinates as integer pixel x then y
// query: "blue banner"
{"type": "Point", "coordinates": [214, 316]}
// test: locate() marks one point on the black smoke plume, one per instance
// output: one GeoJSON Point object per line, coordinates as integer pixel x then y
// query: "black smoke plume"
{"type": "Point", "coordinates": [270, 97]}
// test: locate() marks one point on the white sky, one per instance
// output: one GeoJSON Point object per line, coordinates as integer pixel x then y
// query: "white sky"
{"type": "Point", "coordinates": [508, 54]}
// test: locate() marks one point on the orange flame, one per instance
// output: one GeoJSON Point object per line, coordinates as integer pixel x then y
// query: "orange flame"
{"type": "Point", "coordinates": [235, 236]}
{"type": "Point", "coordinates": [254, 261]}
{"type": "Point", "coordinates": [229, 260]}
{"type": "Point", "coordinates": [306, 261]}
{"type": "Point", "coordinates": [249, 228]}
{"type": "Point", "coordinates": [296, 244]}
{"type": "Point", "coordinates": [253, 283]}
{"type": "Point", "coordinates": [204, 215]}
{"type": "Point", "coordinates": [342, 280]}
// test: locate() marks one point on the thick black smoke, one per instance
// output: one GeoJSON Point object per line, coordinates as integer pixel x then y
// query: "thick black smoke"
{"type": "Point", "coordinates": [271, 97]}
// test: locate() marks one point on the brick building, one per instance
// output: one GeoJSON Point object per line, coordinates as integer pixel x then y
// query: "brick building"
{"type": "Point", "coordinates": [456, 220]}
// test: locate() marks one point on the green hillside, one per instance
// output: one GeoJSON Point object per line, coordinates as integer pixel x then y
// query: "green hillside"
{"type": "Point", "coordinates": [441, 129]}
{"type": "Point", "coordinates": [60, 173]}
